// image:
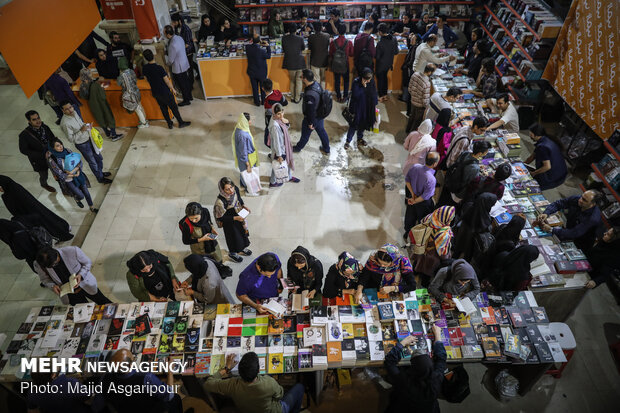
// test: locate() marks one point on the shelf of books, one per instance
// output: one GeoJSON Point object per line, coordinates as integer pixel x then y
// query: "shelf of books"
{"type": "Point", "coordinates": [245, 4]}
{"type": "Point", "coordinates": [508, 32]}
{"type": "Point", "coordinates": [506, 57]}
{"type": "Point", "coordinates": [611, 178]}
{"type": "Point", "coordinates": [612, 150]}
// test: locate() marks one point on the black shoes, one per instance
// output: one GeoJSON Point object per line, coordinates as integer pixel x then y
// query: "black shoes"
{"type": "Point", "coordinates": [184, 124]}
{"type": "Point", "coordinates": [105, 181]}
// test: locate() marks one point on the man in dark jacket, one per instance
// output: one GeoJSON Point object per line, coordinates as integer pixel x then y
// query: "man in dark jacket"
{"type": "Point", "coordinates": [183, 30]}
{"type": "Point", "coordinates": [583, 217]}
{"type": "Point", "coordinates": [445, 36]}
{"type": "Point", "coordinates": [420, 384]}
{"type": "Point", "coordinates": [334, 23]}
{"type": "Point", "coordinates": [459, 184]}
{"type": "Point", "coordinates": [318, 43]}
{"type": "Point", "coordinates": [258, 52]}
{"type": "Point", "coordinates": [387, 48]}
{"type": "Point", "coordinates": [294, 62]}
{"type": "Point", "coordinates": [364, 50]}
{"type": "Point", "coordinates": [312, 100]}
{"type": "Point", "coordinates": [33, 143]}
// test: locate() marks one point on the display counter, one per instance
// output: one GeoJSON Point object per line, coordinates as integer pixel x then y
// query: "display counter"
{"type": "Point", "coordinates": [113, 93]}
{"type": "Point", "coordinates": [227, 77]}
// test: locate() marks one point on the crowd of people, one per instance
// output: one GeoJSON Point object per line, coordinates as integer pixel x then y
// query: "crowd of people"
{"type": "Point", "coordinates": [450, 246]}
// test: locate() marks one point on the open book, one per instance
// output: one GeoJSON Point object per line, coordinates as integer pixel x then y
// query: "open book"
{"type": "Point", "coordinates": [69, 287]}
{"type": "Point", "coordinates": [243, 213]}
{"type": "Point", "coordinates": [464, 305]}
{"type": "Point", "coordinates": [275, 308]}
{"type": "Point", "coordinates": [301, 301]}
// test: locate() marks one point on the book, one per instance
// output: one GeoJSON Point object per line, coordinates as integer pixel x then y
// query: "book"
{"type": "Point", "coordinates": [572, 267]}
{"type": "Point", "coordinates": [362, 349]}
{"type": "Point", "coordinates": [388, 331]}
{"type": "Point", "coordinates": [544, 352]}
{"type": "Point", "coordinates": [290, 364]}
{"type": "Point", "coordinates": [491, 347]}
{"type": "Point", "coordinates": [274, 307]}
{"type": "Point", "coordinates": [540, 315]}
{"type": "Point", "coordinates": [464, 305]}
{"type": "Point", "coordinates": [276, 363]}
{"type": "Point", "coordinates": [69, 287]}
{"type": "Point", "coordinates": [319, 355]}
{"type": "Point", "coordinates": [143, 325]}
{"type": "Point", "coordinates": [376, 350]}
{"type": "Point", "coordinates": [276, 325]}
{"type": "Point", "coordinates": [116, 326]}
{"type": "Point", "coordinates": [386, 311]}
{"type": "Point", "coordinates": [348, 350]}
{"type": "Point", "coordinates": [313, 336]}
{"type": "Point", "coordinates": [334, 352]}
{"type": "Point", "coordinates": [304, 359]}
{"type": "Point", "coordinates": [488, 315]}
{"type": "Point", "coordinates": [300, 301]}
{"type": "Point", "coordinates": [318, 315]}
{"type": "Point", "coordinates": [515, 316]}
{"type": "Point", "coordinates": [400, 310]}
{"type": "Point", "coordinates": [334, 331]}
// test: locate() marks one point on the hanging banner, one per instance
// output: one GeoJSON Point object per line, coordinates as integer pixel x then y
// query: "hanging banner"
{"type": "Point", "coordinates": [146, 22]}
{"type": "Point", "coordinates": [584, 63]}
{"type": "Point", "coordinates": [117, 9]}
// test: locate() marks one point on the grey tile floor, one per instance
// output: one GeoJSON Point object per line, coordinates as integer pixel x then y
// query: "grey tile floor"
{"type": "Point", "coordinates": [349, 201]}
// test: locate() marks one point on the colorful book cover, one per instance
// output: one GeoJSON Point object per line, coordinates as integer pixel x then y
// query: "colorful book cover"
{"type": "Point", "coordinates": [491, 347]}
{"type": "Point", "coordinates": [334, 352]}
{"type": "Point", "coordinates": [276, 363]}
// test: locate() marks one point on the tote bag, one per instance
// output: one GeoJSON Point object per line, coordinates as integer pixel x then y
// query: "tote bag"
{"type": "Point", "coordinates": [280, 171]}
{"type": "Point", "coordinates": [252, 181]}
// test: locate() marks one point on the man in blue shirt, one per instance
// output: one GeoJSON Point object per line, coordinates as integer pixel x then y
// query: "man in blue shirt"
{"type": "Point", "coordinates": [582, 218]}
{"type": "Point", "coordinates": [258, 52]}
{"type": "Point", "coordinates": [260, 280]}
{"type": "Point", "coordinates": [177, 59]}
{"type": "Point", "coordinates": [445, 36]}
{"type": "Point", "coordinates": [185, 33]}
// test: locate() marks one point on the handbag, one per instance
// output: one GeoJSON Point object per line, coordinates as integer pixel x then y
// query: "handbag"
{"type": "Point", "coordinates": [347, 114]}
{"type": "Point", "coordinates": [280, 171]}
{"type": "Point", "coordinates": [252, 181]}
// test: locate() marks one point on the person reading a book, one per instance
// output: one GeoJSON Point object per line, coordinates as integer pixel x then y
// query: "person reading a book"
{"type": "Point", "coordinates": [160, 397]}
{"type": "Point", "coordinates": [342, 277]}
{"type": "Point", "coordinates": [583, 217]}
{"type": "Point", "coordinates": [151, 277]}
{"type": "Point", "coordinates": [56, 267]}
{"type": "Point", "coordinates": [227, 212]}
{"type": "Point", "coordinates": [457, 279]}
{"type": "Point", "coordinates": [604, 257]}
{"type": "Point", "coordinates": [511, 270]}
{"type": "Point", "coordinates": [260, 280]}
{"type": "Point", "coordinates": [199, 233]}
{"type": "Point", "coordinates": [252, 392]}
{"type": "Point", "coordinates": [418, 386]}
{"type": "Point", "coordinates": [551, 168]}
{"type": "Point", "coordinates": [305, 271]}
{"type": "Point", "coordinates": [205, 283]}
{"type": "Point", "coordinates": [388, 271]}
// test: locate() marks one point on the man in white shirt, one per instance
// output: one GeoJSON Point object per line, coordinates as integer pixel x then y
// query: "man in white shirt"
{"type": "Point", "coordinates": [424, 55]}
{"type": "Point", "coordinates": [439, 102]}
{"type": "Point", "coordinates": [78, 133]}
{"type": "Point", "coordinates": [177, 59]}
{"type": "Point", "coordinates": [510, 116]}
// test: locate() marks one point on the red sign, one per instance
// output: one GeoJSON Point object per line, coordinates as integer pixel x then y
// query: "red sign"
{"type": "Point", "coordinates": [144, 15]}
{"type": "Point", "coordinates": [117, 9]}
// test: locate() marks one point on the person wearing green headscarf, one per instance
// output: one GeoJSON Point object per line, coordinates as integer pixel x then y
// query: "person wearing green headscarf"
{"type": "Point", "coordinates": [244, 150]}
{"type": "Point", "coordinates": [94, 93]}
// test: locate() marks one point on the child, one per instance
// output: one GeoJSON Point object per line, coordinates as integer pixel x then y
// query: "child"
{"type": "Point", "coordinates": [272, 97]}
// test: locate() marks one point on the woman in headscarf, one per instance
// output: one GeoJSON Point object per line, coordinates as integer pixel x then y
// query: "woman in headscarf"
{"type": "Point", "coordinates": [476, 219]}
{"type": "Point", "coordinates": [442, 133]}
{"type": "Point", "coordinates": [438, 247]}
{"type": "Point", "coordinates": [72, 181]}
{"type": "Point", "coordinates": [280, 143]}
{"type": "Point", "coordinates": [604, 257]}
{"type": "Point", "coordinates": [244, 150]}
{"type": "Point", "coordinates": [19, 202]}
{"type": "Point", "coordinates": [507, 235]}
{"type": "Point", "coordinates": [198, 232]}
{"type": "Point", "coordinates": [342, 277]}
{"type": "Point", "coordinates": [131, 98]}
{"type": "Point", "coordinates": [362, 105]}
{"type": "Point", "coordinates": [151, 277]}
{"type": "Point", "coordinates": [226, 212]}
{"type": "Point", "coordinates": [491, 184]}
{"type": "Point", "coordinates": [511, 270]}
{"type": "Point", "coordinates": [387, 270]}
{"type": "Point", "coordinates": [14, 234]}
{"type": "Point", "coordinates": [418, 144]}
{"type": "Point", "coordinates": [206, 283]}
{"type": "Point", "coordinates": [305, 271]}
{"type": "Point", "coordinates": [207, 28]}
{"type": "Point", "coordinates": [458, 279]}
{"type": "Point", "coordinates": [94, 93]}
{"type": "Point", "coordinates": [419, 385]}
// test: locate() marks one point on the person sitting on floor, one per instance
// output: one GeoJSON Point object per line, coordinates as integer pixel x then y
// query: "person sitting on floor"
{"type": "Point", "coordinates": [604, 257]}
{"type": "Point", "coordinates": [198, 231]}
{"type": "Point", "coordinates": [252, 392]}
{"type": "Point", "coordinates": [583, 217]}
{"type": "Point", "coordinates": [151, 277]}
{"type": "Point", "coordinates": [342, 277]}
{"type": "Point", "coordinates": [305, 271]}
{"type": "Point", "coordinates": [388, 271]}
{"type": "Point", "coordinates": [457, 279]}
{"type": "Point", "coordinates": [205, 283]}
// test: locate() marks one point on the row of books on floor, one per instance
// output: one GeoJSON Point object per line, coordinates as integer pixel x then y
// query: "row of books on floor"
{"type": "Point", "coordinates": [320, 337]}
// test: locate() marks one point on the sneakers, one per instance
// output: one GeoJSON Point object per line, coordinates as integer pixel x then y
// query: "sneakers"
{"type": "Point", "coordinates": [247, 252]}
{"type": "Point", "coordinates": [184, 124]}
{"type": "Point", "coordinates": [275, 185]}
{"type": "Point", "coordinates": [323, 151]}
{"type": "Point", "coordinates": [235, 257]}
{"type": "Point", "coordinates": [143, 125]}
{"type": "Point", "coordinates": [116, 137]}
{"type": "Point", "coordinates": [295, 180]}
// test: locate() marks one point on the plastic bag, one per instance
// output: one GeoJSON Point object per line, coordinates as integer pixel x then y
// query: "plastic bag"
{"type": "Point", "coordinates": [375, 127]}
{"type": "Point", "coordinates": [507, 385]}
{"type": "Point", "coordinates": [97, 139]}
{"type": "Point", "coordinates": [252, 181]}
{"type": "Point", "coordinates": [280, 171]}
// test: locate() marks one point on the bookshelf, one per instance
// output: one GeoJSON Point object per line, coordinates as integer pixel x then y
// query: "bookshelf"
{"type": "Point", "coordinates": [501, 50]}
{"type": "Point", "coordinates": [352, 3]}
{"type": "Point", "coordinates": [508, 32]}
{"type": "Point", "coordinates": [611, 150]}
{"type": "Point", "coordinates": [518, 16]}
{"type": "Point", "coordinates": [347, 20]}
{"type": "Point", "coordinates": [602, 178]}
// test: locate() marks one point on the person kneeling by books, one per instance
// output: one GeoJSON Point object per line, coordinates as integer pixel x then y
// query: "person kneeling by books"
{"type": "Point", "coordinates": [205, 283]}
{"type": "Point", "coordinates": [151, 277]}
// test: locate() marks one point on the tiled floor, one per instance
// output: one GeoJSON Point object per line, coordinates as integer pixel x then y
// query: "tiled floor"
{"type": "Point", "coordinates": [350, 201]}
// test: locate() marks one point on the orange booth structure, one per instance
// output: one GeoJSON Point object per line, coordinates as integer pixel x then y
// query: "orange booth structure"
{"type": "Point", "coordinates": [227, 77]}
{"type": "Point", "coordinates": [113, 94]}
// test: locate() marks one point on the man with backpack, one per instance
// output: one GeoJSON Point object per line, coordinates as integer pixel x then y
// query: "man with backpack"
{"type": "Point", "coordinates": [364, 49]}
{"type": "Point", "coordinates": [318, 43]}
{"type": "Point", "coordinates": [317, 104]}
{"type": "Point", "coordinates": [460, 175]}
{"type": "Point", "coordinates": [339, 52]}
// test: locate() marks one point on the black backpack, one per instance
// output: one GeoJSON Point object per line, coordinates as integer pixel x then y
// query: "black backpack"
{"type": "Point", "coordinates": [39, 235]}
{"type": "Point", "coordinates": [454, 176]}
{"type": "Point", "coordinates": [365, 58]}
{"type": "Point", "coordinates": [325, 103]}
{"type": "Point", "coordinates": [340, 61]}
{"type": "Point", "coordinates": [456, 389]}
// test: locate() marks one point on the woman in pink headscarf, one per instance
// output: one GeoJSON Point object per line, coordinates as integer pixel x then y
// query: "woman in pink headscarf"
{"type": "Point", "coordinates": [418, 144]}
